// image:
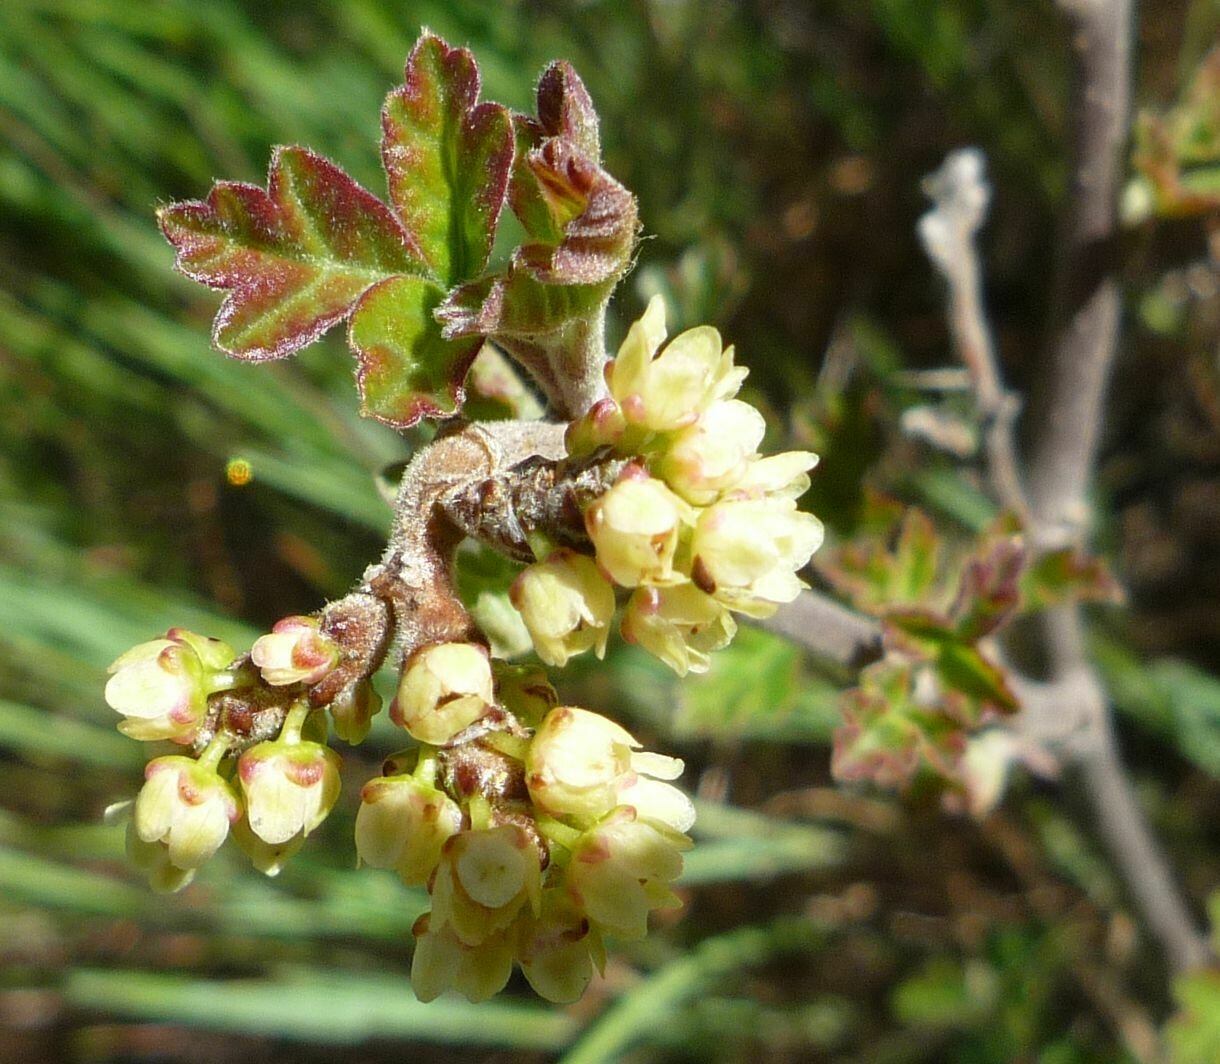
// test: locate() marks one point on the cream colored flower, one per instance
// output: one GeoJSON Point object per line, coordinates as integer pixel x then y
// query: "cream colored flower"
{"type": "Point", "coordinates": [290, 787]}
{"type": "Point", "coordinates": [621, 870]}
{"type": "Point", "coordinates": [634, 528]}
{"type": "Point", "coordinates": [402, 824]}
{"type": "Point", "coordinates": [483, 880]}
{"type": "Point", "coordinates": [186, 807]}
{"type": "Point", "coordinates": [566, 604]}
{"type": "Point", "coordinates": [746, 552]}
{"type": "Point", "coordinates": [680, 625]}
{"type": "Point", "coordinates": [443, 962]}
{"type": "Point", "coordinates": [710, 456]}
{"type": "Point", "coordinates": [666, 391]}
{"type": "Point", "coordinates": [161, 687]}
{"type": "Point", "coordinates": [583, 765]}
{"type": "Point", "coordinates": [555, 948]}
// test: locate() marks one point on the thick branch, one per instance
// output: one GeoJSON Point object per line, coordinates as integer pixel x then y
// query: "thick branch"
{"type": "Point", "coordinates": [1087, 316]}
{"type": "Point", "coordinates": [1087, 307]}
{"type": "Point", "coordinates": [828, 630]}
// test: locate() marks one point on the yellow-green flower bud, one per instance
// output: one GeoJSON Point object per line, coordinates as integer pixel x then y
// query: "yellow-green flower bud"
{"type": "Point", "coordinates": [444, 688]}
{"type": "Point", "coordinates": [353, 712]}
{"type": "Point", "coordinates": [290, 787]}
{"type": "Point", "coordinates": [566, 604]}
{"type": "Point", "coordinates": [634, 527]}
{"type": "Point", "coordinates": [186, 807]}
{"type": "Point", "coordinates": [600, 426]}
{"type": "Point", "coordinates": [525, 692]}
{"type": "Point", "coordinates": [680, 625]}
{"type": "Point", "coordinates": [294, 652]}
{"type": "Point", "coordinates": [402, 824]}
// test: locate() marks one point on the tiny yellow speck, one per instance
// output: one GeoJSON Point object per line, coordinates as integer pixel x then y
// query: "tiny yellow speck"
{"type": "Point", "coordinates": [239, 472]}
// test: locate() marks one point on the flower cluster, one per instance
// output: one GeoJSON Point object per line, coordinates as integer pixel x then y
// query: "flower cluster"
{"type": "Point", "coordinates": [542, 832]}
{"type": "Point", "coordinates": [269, 798]}
{"type": "Point", "coordinates": [698, 525]}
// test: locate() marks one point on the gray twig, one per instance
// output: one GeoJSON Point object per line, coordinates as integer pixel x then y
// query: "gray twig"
{"type": "Point", "coordinates": [960, 195]}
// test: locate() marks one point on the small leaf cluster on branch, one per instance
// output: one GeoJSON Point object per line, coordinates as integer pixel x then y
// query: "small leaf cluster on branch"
{"type": "Point", "coordinates": [921, 716]}
{"type": "Point", "coordinates": [537, 828]}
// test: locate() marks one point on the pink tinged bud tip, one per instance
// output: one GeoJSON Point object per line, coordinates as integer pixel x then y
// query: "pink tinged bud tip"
{"type": "Point", "coordinates": [294, 652]}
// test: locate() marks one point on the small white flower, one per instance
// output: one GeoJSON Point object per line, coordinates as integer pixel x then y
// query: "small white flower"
{"type": "Point", "coordinates": [161, 687]}
{"type": "Point", "coordinates": [402, 824]}
{"type": "Point", "coordinates": [290, 787]}
{"type": "Point", "coordinates": [635, 527]}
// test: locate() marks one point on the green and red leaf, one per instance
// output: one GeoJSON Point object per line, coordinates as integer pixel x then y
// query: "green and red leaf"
{"type": "Point", "coordinates": [447, 158]}
{"type": "Point", "coordinates": [1065, 575]}
{"type": "Point", "coordinates": [989, 589]}
{"type": "Point", "coordinates": [294, 258]}
{"type": "Point", "coordinates": [889, 738]}
{"type": "Point", "coordinates": [407, 369]}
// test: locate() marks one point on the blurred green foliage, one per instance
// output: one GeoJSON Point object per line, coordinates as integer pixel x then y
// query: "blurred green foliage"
{"type": "Point", "coordinates": [775, 146]}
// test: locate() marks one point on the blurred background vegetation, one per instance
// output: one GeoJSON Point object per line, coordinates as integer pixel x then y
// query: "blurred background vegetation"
{"type": "Point", "coordinates": [776, 148]}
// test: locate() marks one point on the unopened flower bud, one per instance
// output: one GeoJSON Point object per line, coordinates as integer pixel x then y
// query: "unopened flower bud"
{"type": "Point", "coordinates": [525, 692]}
{"type": "Point", "coordinates": [581, 764]}
{"type": "Point", "coordinates": [296, 651]}
{"type": "Point", "coordinates": [566, 604]}
{"type": "Point", "coordinates": [186, 807]}
{"type": "Point", "coordinates": [290, 787]}
{"type": "Point", "coordinates": [634, 527]}
{"type": "Point", "coordinates": [161, 687]}
{"type": "Point", "coordinates": [353, 712]}
{"type": "Point", "coordinates": [444, 688]}
{"type": "Point", "coordinates": [746, 551]}
{"type": "Point", "coordinates": [600, 426]}
{"type": "Point", "coordinates": [680, 625]}
{"type": "Point", "coordinates": [709, 456]}
{"type": "Point", "coordinates": [402, 824]}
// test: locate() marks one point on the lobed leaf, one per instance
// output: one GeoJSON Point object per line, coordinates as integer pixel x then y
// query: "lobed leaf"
{"type": "Point", "coordinates": [407, 370]}
{"type": "Point", "coordinates": [294, 258]}
{"type": "Point", "coordinates": [447, 158]}
{"type": "Point", "coordinates": [546, 308]}
{"type": "Point", "coordinates": [889, 737]}
{"type": "Point", "coordinates": [1067, 575]}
